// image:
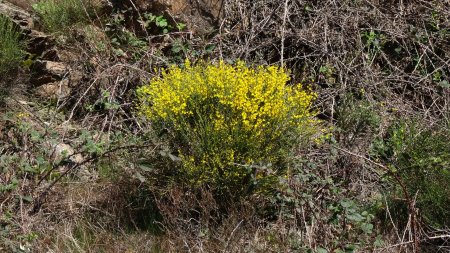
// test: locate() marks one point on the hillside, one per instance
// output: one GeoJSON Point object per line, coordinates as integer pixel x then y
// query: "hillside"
{"type": "Point", "coordinates": [224, 126]}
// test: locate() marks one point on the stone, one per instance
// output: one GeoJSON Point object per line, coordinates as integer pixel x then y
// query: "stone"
{"type": "Point", "coordinates": [51, 55]}
{"type": "Point", "coordinates": [62, 150]}
{"type": "Point", "coordinates": [39, 42]}
{"type": "Point", "coordinates": [17, 15]}
{"type": "Point", "coordinates": [199, 15]}
{"type": "Point", "coordinates": [26, 5]}
{"type": "Point", "coordinates": [75, 78]}
{"type": "Point", "coordinates": [54, 90]}
{"type": "Point", "coordinates": [48, 71]}
{"type": "Point", "coordinates": [54, 68]}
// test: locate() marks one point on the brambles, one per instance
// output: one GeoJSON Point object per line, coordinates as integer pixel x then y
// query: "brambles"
{"type": "Point", "coordinates": [11, 48]}
{"type": "Point", "coordinates": [231, 126]}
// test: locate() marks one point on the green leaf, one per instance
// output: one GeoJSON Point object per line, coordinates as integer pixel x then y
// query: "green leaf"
{"type": "Point", "coordinates": [209, 49]}
{"type": "Point", "coordinates": [367, 228]}
{"type": "Point", "coordinates": [145, 168]}
{"type": "Point", "coordinates": [161, 21]}
{"type": "Point", "coordinates": [355, 217]}
{"type": "Point", "coordinates": [350, 248]}
{"type": "Point", "coordinates": [177, 49]}
{"type": "Point", "coordinates": [181, 26]}
{"type": "Point", "coordinates": [174, 158]}
{"type": "Point", "coordinates": [378, 242]}
{"type": "Point", "coordinates": [140, 177]}
{"type": "Point", "coordinates": [27, 198]}
{"type": "Point", "coordinates": [321, 250]}
{"type": "Point", "coordinates": [444, 84]}
{"type": "Point", "coordinates": [347, 203]}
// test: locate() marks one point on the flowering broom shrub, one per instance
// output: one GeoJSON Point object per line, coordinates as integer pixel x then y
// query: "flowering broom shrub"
{"type": "Point", "coordinates": [232, 126]}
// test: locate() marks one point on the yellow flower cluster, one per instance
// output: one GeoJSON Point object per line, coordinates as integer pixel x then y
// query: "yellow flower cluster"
{"type": "Point", "coordinates": [230, 114]}
{"type": "Point", "coordinates": [251, 96]}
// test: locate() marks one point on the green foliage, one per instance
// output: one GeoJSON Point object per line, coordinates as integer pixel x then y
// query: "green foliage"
{"type": "Point", "coordinates": [374, 43]}
{"type": "Point", "coordinates": [11, 48]}
{"type": "Point", "coordinates": [161, 23]}
{"type": "Point", "coordinates": [58, 15]}
{"type": "Point", "coordinates": [229, 126]}
{"type": "Point", "coordinates": [327, 72]}
{"type": "Point", "coordinates": [123, 40]}
{"type": "Point", "coordinates": [9, 242]}
{"type": "Point", "coordinates": [182, 49]}
{"type": "Point", "coordinates": [421, 156]}
{"type": "Point", "coordinates": [128, 41]}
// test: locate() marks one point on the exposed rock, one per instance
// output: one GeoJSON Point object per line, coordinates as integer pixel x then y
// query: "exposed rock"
{"type": "Point", "coordinates": [55, 90]}
{"type": "Point", "coordinates": [24, 4]}
{"type": "Point", "coordinates": [51, 55]}
{"type": "Point", "coordinates": [39, 42]}
{"type": "Point", "coordinates": [203, 15]}
{"type": "Point", "coordinates": [62, 150]}
{"type": "Point", "coordinates": [75, 77]}
{"type": "Point", "coordinates": [178, 7]}
{"type": "Point", "coordinates": [54, 68]}
{"type": "Point", "coordinates": [200, 15]}
{"type": "Point", "coordinates": [48, 71]}
{"type": "Point", "coordinates": [17, 15]}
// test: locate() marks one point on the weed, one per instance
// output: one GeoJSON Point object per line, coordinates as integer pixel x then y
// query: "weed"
{"type": "Point", "coordinates": [374, 43]}
{"type": "Point", "coordinates": [11, 47]}
{"type": "Point", "coordinates": [351, 222]}
{"type": "Point", "coordinates": [123, 40]}
{"type": "Point", "coordinates": [59, 15]}
{"type": "Point", "coordinates": [161, 23]}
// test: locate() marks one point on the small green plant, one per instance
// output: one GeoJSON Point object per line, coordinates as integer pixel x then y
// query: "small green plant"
{"type": "Point", "coordinates": [229, 126]}
{"type": "Point", "coordinates": [11, 48]}
{"type": "Point", "coordinates": [374, 43]}
{"type": "Point", "coordinates": [123, 41]}
{"type": "Point", "coordinates": [326, 73]}
{"type": "Point", "coordinates": [58, 15]}
{"type": "Point", "coordinates": [161, 23]}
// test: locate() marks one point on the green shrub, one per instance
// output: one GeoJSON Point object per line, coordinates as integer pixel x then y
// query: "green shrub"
{"type": "Point", "coordinates": [421, 156]}
{"type": "Point", "coordinates": [58, 15]}
{"type": "Point", "coordinates": [11, 48]}
{"type": "Point", "coordinates": [229, 126]}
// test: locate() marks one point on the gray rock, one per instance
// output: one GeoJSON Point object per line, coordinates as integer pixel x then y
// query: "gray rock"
{"type": "Point", "coordinates": [54, 90]}
{"type": "Point", "coordinates": [48, 71]}
{"type": "Point", "coordinates": [17, 15]}
{"type": "Point", "coordinates": [62, 150]}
